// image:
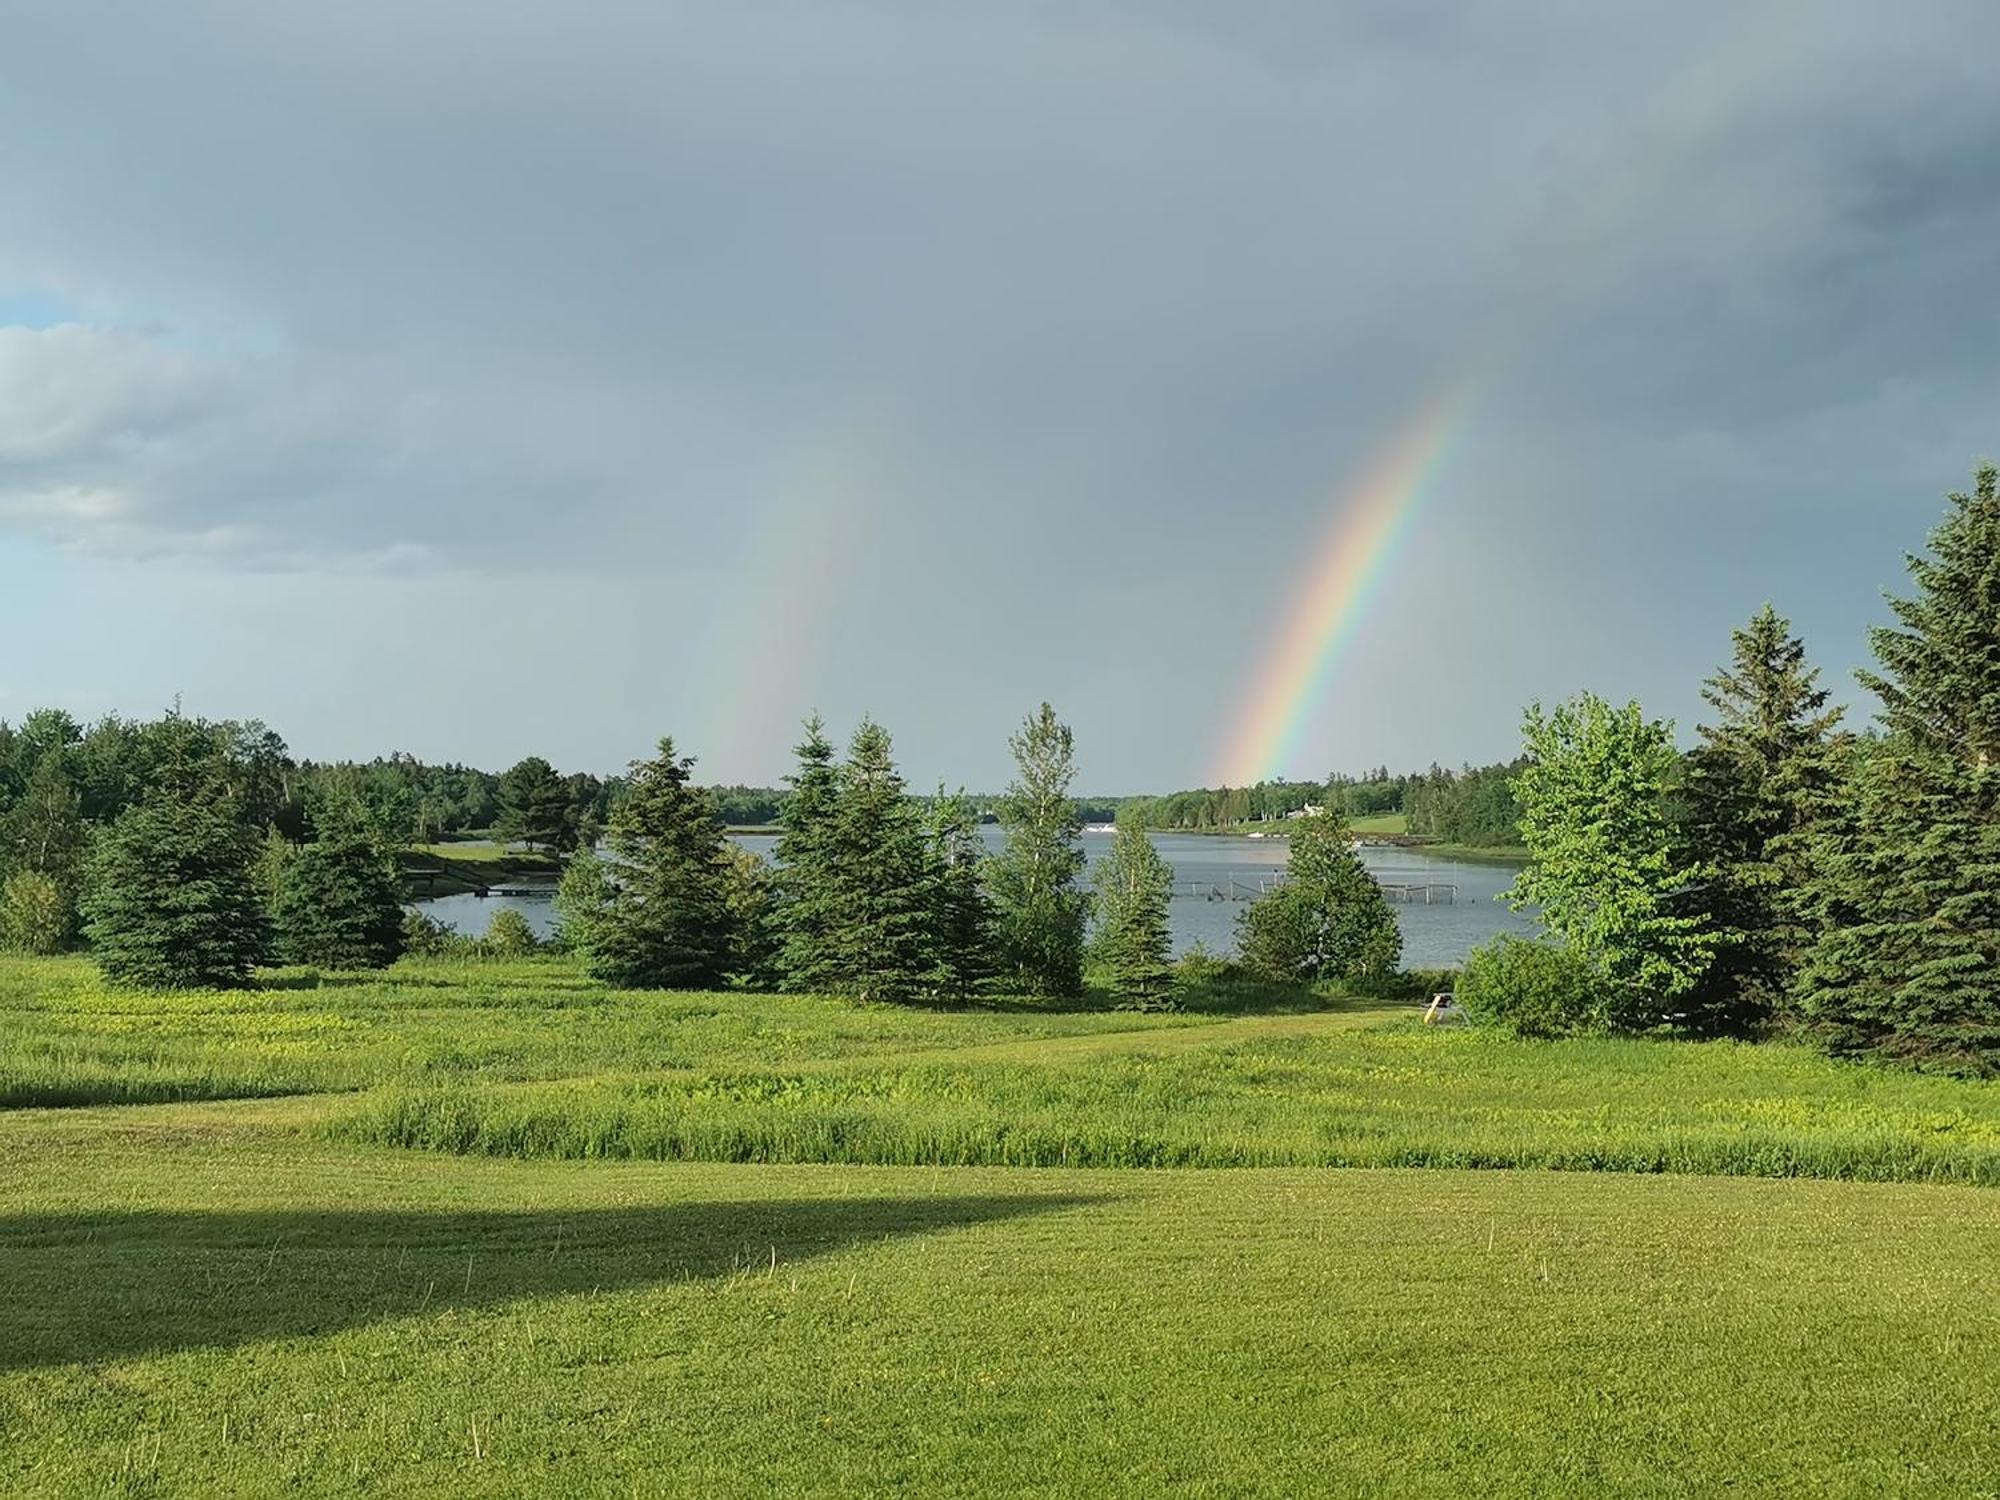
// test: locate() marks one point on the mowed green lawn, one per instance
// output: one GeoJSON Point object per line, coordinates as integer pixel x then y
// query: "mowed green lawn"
{"type": "Point", "coordinates": [258, 1295]}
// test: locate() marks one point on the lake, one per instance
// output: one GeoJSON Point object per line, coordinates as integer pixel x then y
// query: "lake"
{"type": "Point", "coordinates": [1207, 869]}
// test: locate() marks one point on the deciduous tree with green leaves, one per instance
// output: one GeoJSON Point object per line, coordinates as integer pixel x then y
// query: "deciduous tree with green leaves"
{"type": "Point", "coordinates": [1604, 868]}
{"type": "Point", "coordinates": [36, 916]}
{"type": "Point", "coordinates": [44, 835]}
{"type": "Point", "coordinates": [1329, 920]}
{"type": "Point", "coordinates": [1041, 909]}
{"type": "Point", "coordinates": [1909, 964]}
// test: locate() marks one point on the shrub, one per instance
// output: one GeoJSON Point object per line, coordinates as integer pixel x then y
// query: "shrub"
{"type": "Point", "coordinates": [36, 915]}
{"type": "Point", "coordinates": [509, 935]}
{"type": "Point", "coordinates": [1414, 985]}
{"type": "Point", "coordinates": [426, 936]}
{"type": "Point", "coordinates": [1535, 988]}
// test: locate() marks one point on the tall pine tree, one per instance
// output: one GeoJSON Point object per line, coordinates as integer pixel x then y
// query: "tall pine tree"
{"type": "Point", "coordinates": [1757, 791]}
{"type": "Point", "coordinates": [1910, 966]}
{"type": "Point", "coordinates": [535, 807]}
{"type": "Point", "coordinates": [668, 923]}
{"type": "Point", "coordinates": [1133, 887]}
{"type": "Point", "coordinates": [963, 915]}
{"type": "Point", "coordinates": [879, 942]}
{"type": "Point", "coordinates": [802, 915]}
{"type": "Point", "coordinates": [1042, 910]}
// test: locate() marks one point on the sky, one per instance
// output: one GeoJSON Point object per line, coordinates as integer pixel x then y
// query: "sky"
{"type": "Point", "coordinates": [479, 380]}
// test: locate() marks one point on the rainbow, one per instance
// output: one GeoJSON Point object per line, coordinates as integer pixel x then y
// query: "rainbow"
{"type": "Point", "coordinates": [1344, 575]}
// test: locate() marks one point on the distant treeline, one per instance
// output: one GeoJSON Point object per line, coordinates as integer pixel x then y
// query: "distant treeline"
{"type": "Point", "coordinates": [1474, 806]}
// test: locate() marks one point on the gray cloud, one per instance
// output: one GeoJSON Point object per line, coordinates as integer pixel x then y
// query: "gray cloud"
{"type": "Point", "coordinates": [1078, 318]}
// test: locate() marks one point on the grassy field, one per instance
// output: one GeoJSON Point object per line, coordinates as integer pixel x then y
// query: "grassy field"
{"type": "Point", "coordinates": [253, 1287]}
{"type": "Point", "coordinates": [1382, 823]}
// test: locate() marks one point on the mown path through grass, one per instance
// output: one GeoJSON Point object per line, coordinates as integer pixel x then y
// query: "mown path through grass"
{"type": "Point", "coordinates": [232, 1314]}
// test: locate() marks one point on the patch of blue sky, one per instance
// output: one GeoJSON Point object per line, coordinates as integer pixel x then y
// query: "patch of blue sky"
{"type": "Point", "coordinates": [30, 307]}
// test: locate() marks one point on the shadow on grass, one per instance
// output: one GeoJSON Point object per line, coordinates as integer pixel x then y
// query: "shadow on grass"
{"type": "Point", "coordinates": [116, 1285]}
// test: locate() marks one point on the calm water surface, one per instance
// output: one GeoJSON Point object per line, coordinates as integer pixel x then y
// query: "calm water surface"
{"type": "Point", "coordinates": [1206, 871]}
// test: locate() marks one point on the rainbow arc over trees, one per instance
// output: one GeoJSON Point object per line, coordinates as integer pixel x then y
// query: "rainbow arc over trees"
{"type": "Point", "coordinates": [1330, 602]}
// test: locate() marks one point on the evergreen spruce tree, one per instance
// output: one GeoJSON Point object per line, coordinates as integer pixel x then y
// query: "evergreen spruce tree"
{"type": "Point", "coordinates": [338, 904]}
{"type": "Point", "coordinates": [879, 942]}
{"type": "Point", "coordinates": [1909, 966]}
{"type": "Point", "coordinates": [963, 915]}
{"type": "Point", "coordinates": [1604, 868]}
{"type": "Point", "coordinates": [668, 923]}
{"type": "Point", "coordinates": [1041, 908]}
{"type": "Point", "coordinates": [1329, 920]}
{"type": "Point", "coordinates": [172, 903]}
{"type": "Point", "coordinates": [749, 889]}
{"type": "Point", "coordinates": [1757, 792]}
{"type": "Point", "coordinates": [1133, 887]}
{"type": "Point", "coordinates": [802, 915]}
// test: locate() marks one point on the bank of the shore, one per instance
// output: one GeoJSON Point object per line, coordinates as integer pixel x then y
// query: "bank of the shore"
{"type": "Point", "coordinates": [463, 869]}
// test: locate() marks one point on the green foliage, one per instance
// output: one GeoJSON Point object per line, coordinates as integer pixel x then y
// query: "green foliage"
{"type": "Point", "coordinates": [36, 913]}
{"type": "Point", "coordinates": [508, 935]}
{"type": "Point", "coordinates": [667, 922]}
{"type": "Point", "coordinates": [337, 905]}
{"type": "Point", "coordinates": [1605, 873]}
{"type": "Point", "coordinates": [535, 807]}
{"type": "Point", "coordinates": [44, 830]}
{"type": "Point", "coordinates": [750, 892]}
{"type": "Point", "coordinates": [172, 901]}
{"type": "Point", "coordinates": [747, 806]}
{"type": "Point", "coordinates": [1757, 791]}
{"type": "Point", "coordinates": [1536, 989]}
{"type": "Point", "coordinates": [583, 902]}
{"type": "Point", "coordinates": [1329, 919]}
{"type": "Point", "coordinates": [1223, 807]}
{"type": "Point", "coordinates": [1041, 911]}
{"type": "Point", "coordinates": [426, 937]}
{"type": "Point", "coordinates": [1908, 966]}
{"type": "Point", "coordinates": [879, 935]}
{"type": "Point", "coordinates": [1474, 807]}
{"type": "Point", "coordinates": [274, 853]}
{"type": "Point", "coordinates": [399, 799]}
{"type": "Point", "coordinates": [805, 911]}
{"type": "Point", "coordinates": [963, 940]}
{"type": "Point", "coordinates": [1133, 887]}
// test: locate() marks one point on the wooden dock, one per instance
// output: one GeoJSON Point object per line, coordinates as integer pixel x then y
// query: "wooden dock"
{"type": "Point", "coordinates": [1429, 892]}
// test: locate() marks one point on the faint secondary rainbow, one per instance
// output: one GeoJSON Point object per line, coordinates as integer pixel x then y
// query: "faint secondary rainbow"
{"type": "Point", "coordinates": [1332, 599]}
